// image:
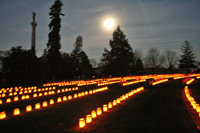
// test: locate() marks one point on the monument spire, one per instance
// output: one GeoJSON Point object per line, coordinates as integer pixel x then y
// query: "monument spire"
{"type": "Point", "coordinates": [34, 24]}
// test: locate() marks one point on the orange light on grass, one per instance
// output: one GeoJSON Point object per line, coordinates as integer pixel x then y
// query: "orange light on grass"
{"type": "Point", "coordinates": [37, 106]}
{"type": "Point", "coordinates": [114, 102]}
{"type": "Point", "coordinates": [81, 122]}
{"type": "Point", "coordinates": [64, 98]}
{"type": "Point", "coordinates": [28, 108]}
{"type": "Point", "coordinates": [90, 92]}
{"type": "Point", "coordinates": [16, 111]}
{"type": "Point", "coordinates": [190, 81]}
{"type": "Point", "coordinates": [118, 100]}
{"type": "Point", "coordinates": [3, 115]}
{"type": "Point", "coordinates": [27, 97]}
{"type": "Point", "coordinates": [59, 99]}
{"type": "Point", "coordinates": [79, 94]}
{"type": "Point", "coordinates": [44, 104]}
{"type": "Point", "coordinates": [8, 100]}
{"type": "Point", "coordinates": [51, 101]}
{"type": "Point", "coordinates": [110, 105]}
{"type": "Point", "coordinates": [45, 93]}
{"type": "Point", "coordinates": [40, 94]}
{"type": "Point", "coordinates": [82, 93]}
{"type": "Point", "coordinates": [105, 108]}
{"type": "Point", "coordinates": [3, 95]}
{"type": "Point", "coordinates": [99, 111]}
{"type": "Point", "coordinates": [88, 119]}
{"type": "Point", "coordinates": [75, 95]}
{"type": "Point", "coordinates": [23, 97]}
{"type": "Point", "coordinates": [69, 97]}
{"type": "Point", "coordinates": [197, 108]}
{"type": "Point", "coordinates": [16, 98]}
{"type": "Point", "coordinates": [93, 113]}
{"type": "Point", "coordinates": [35, 95]}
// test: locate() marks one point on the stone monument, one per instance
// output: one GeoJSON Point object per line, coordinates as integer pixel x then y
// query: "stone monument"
{"type": "Point", "coordinates": [34, 24]}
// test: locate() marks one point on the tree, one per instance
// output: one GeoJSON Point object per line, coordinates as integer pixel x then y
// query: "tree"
{"type": "Point", "coordinates": [85, 68]}
{"type": "Point", "coordinates": [187, 59]}
{"type": "Point", "coordinates": [53, 45]}
{"type": "Point", "coordinates": [139, 65]}
{"type": "Point", "coordinates": [66, 66]}
{"type": "Point", "coordinates": [77, 47]}
{"type": "Point", "coordinates": [75, 55]}
{"type": "Point", "coordinates": [137, 54]}
{"type": "Point", "coordinates": [171, 59]}
{"type": "Point", "coordinates": [93, 62]}
{"type": "Point", "coordinates": [119, 60]}
{"type": "Point", "coordinates": [21, 67]}
{"type": "Point", "coordinates": [153, 59]}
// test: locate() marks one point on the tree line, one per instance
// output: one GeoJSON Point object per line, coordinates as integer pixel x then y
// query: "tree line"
{"type": "Point", "coordinates": [22, 67]}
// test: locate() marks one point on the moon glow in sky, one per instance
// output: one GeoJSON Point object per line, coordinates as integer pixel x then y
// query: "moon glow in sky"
{"type": "Point", "coordinates": [109, 23]}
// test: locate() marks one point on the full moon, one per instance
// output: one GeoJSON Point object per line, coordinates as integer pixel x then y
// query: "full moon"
{"type": "Point", "coordinates": [109, 23]}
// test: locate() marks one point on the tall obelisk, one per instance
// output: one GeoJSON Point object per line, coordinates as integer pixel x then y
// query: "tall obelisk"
{"type": "Point", "coordinates": [34, 24]}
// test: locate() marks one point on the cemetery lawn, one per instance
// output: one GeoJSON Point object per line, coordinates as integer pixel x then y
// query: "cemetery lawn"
{"type": "Point", "coordinates": [158, 108]}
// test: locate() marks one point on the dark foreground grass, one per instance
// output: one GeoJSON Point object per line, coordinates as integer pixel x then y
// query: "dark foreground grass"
{"type": "Point", "coordinates": [158, 108]}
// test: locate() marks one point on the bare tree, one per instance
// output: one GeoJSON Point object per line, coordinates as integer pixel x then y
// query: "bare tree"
{"type": "Point", "coordinates": [93, 62]}
{"type": "Point", "coordinates": [153, 59]}
{"type": "Point", "coordinates": [171, 58]}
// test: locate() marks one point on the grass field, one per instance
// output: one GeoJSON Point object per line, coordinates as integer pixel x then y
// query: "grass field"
{"type": "Point", "coordinates": [158, 108]}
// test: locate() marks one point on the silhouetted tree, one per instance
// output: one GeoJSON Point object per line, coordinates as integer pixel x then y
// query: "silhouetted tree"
{"type": "Point", "coordinates": [66, 66]}
{"type": "Point", "coordinates": [139, 65]}
{"type": "Point", "coordinates": [137, 54]}
{"type": "Point", "coordinates": [93, 62]}
{"type": "Point", "coordinates": [153, 59]}
{"type": "Point", "coordinates": [119, 60]}
{"type": "Point", "coordinates": [85, 68]}
{"type": "Point", "coordinates": [75, 62]}
{"type": "Point", "coordinates": [187, 59]}
{"type": "Point", "coordinates": [21, 67]}
{"type": "Point", "coordinates": [171, 59]}
{"type": "Point", "coordinates": [53, 45]}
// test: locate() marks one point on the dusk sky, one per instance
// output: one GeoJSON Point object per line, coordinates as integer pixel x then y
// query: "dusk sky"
{"type": "Point", "coordinates": [164, 24]}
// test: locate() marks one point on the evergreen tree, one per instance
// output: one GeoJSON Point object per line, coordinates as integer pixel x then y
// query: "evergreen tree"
{"type": "Point", "coordinates": [119, 60]}
{"type": "Point", "coordinates": [187, 59]}
{"type": "Point", "coordinates": [85, 68]}
{"type": "Point", "coordinates": [75, 55]}
{"type": "Point", "coordinates": [77, 48]}
{"type": "Point", "coordinates": [139, 65]}
{"type": "Point", "coordinates": [21, 67]}
{"type": "Point", "coordinates": [53, 45]}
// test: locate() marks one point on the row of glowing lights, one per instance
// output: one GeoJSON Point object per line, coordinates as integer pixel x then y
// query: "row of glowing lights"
{"type": "Point", "coordinates": [192, 101]}
{"type": "Point", "coordinates": [51, 101]}
{"type": "Point", "coordinates": [15, 89]}
{"type": "Point", "coordinates": [26, 91]}
{"type": "Point", "coordinates": [106, 107]}
{"type": "Point", "coordinates": [160, 81]}
{"type": "Point", "coordinates": [108, 83]}
{"type": "Point", "coordinates": [86, 83]}
{"type": "Point", "coordinates": [190, 81]}
{"type": "Point", "coordinates": [186, 76]}
{"type": "Point", "coordinates": [133, 82]}
{"type": "Point", "coordinates": [65, 83]}
{"type": "Point", "coordinates": [23, 97]}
